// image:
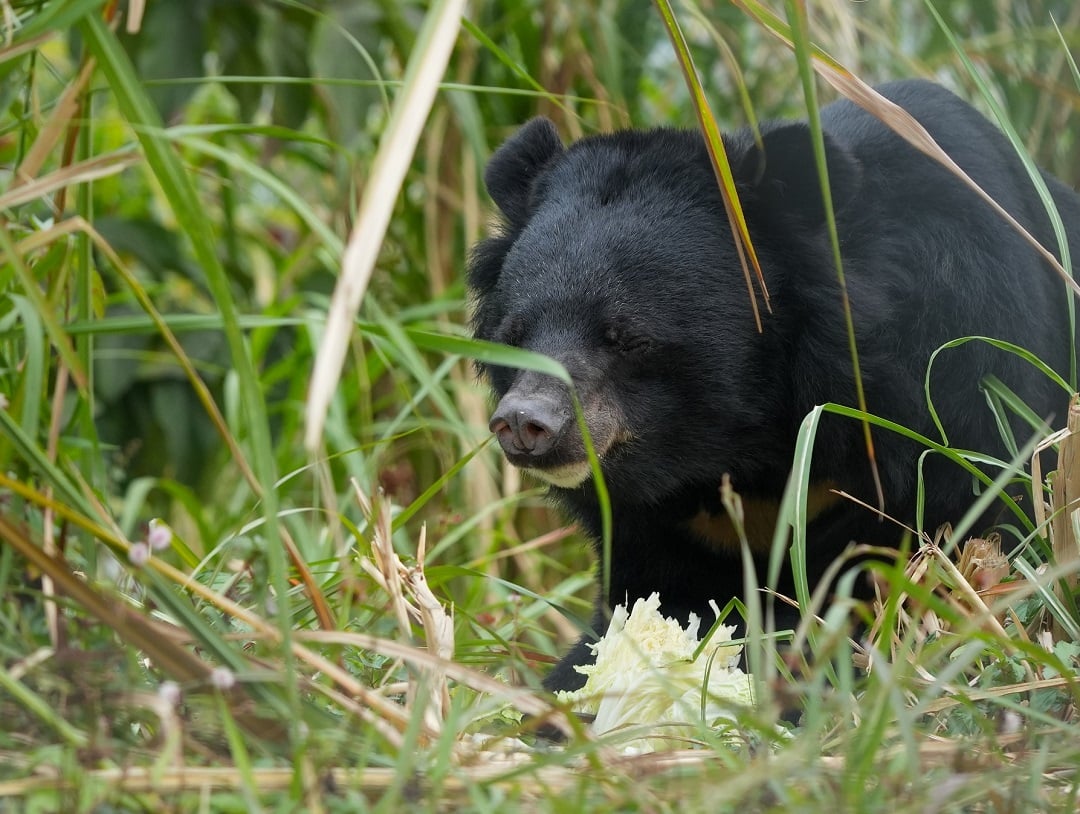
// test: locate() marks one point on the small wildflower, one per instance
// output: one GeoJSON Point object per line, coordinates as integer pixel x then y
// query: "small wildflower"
{"type": "Point", "coordinates": [139, 554]}
{"type": "Point", "coordinates": [4, 401]}
{"type": "Point", "coordinates": [159, 536]}
{"type": "Point", "coordinates": [223, 678]}
{"type": "Point", "coordinates": [169, 692]}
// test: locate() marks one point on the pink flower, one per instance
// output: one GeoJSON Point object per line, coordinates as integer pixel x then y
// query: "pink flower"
{"type": "Point", "coordinates": [223, 678]}
{"type": "Point", "coordinates": [169, 692]}
{"type": "Point", "coordinates": [139, 554]}
{"type": "Point", "coordinates": [159, 536]}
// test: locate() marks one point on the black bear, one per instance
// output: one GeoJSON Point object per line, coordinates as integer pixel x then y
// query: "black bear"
{"type": "Point", "coordinates": [616, 259]}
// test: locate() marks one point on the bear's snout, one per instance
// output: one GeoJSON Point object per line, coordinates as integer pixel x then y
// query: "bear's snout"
{"type": "Point", "coordinates": [527, 426]}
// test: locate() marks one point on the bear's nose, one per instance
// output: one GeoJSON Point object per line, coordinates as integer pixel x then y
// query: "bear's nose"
{"type": "Point", "coordinates": [526, 426]}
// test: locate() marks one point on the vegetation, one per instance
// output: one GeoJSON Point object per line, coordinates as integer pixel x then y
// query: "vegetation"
{"type": "Point", "coordinates": [211, 598]}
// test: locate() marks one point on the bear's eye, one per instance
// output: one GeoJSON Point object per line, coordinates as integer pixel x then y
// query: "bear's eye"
{"type": "Point", "coordinates": [626, 341]}
{"type": "Point", "coordinates": [511, 331]}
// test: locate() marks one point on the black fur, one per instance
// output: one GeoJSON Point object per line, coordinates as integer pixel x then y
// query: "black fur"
{"type": "Point", "coordinates": [617, 260]}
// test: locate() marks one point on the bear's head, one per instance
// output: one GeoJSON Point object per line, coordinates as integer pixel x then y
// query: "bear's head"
{"type": "Point", "coordinates": [616, 259]}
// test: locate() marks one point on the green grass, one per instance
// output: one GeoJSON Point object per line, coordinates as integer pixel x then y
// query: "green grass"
{"type": "Point", "coordinates": [178, 205]}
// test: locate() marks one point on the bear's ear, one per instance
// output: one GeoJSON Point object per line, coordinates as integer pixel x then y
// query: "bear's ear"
{"type": "Point", "coordinates": [514, 166]}
{"type": "Point", "coordinates": [782, 179]}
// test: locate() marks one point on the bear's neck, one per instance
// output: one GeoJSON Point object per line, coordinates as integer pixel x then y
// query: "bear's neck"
{"type": "Point", "coordinates": [696, 515]}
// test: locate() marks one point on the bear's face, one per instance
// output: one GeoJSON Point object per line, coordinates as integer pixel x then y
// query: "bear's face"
{"type": "Point", "coordinates": [617, 260]}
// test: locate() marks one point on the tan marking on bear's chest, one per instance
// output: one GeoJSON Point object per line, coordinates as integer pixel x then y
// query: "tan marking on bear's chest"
{"type": "Point", "coordinates": [759, 520]}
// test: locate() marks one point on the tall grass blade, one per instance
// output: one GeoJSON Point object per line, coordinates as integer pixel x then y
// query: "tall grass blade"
{"type": "Point", "coordinates": [163, 161]}
{"type": "Point", "coordinates": [426, 67]}
{"type": "Point", "coordinates": [1029, 165]}
{"type": "Point", "coordinates": [899, 121]}
{"type": "Point", "coordinates": [799, 27]}
{"type": "Point", "coordinates": [714, 142]}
